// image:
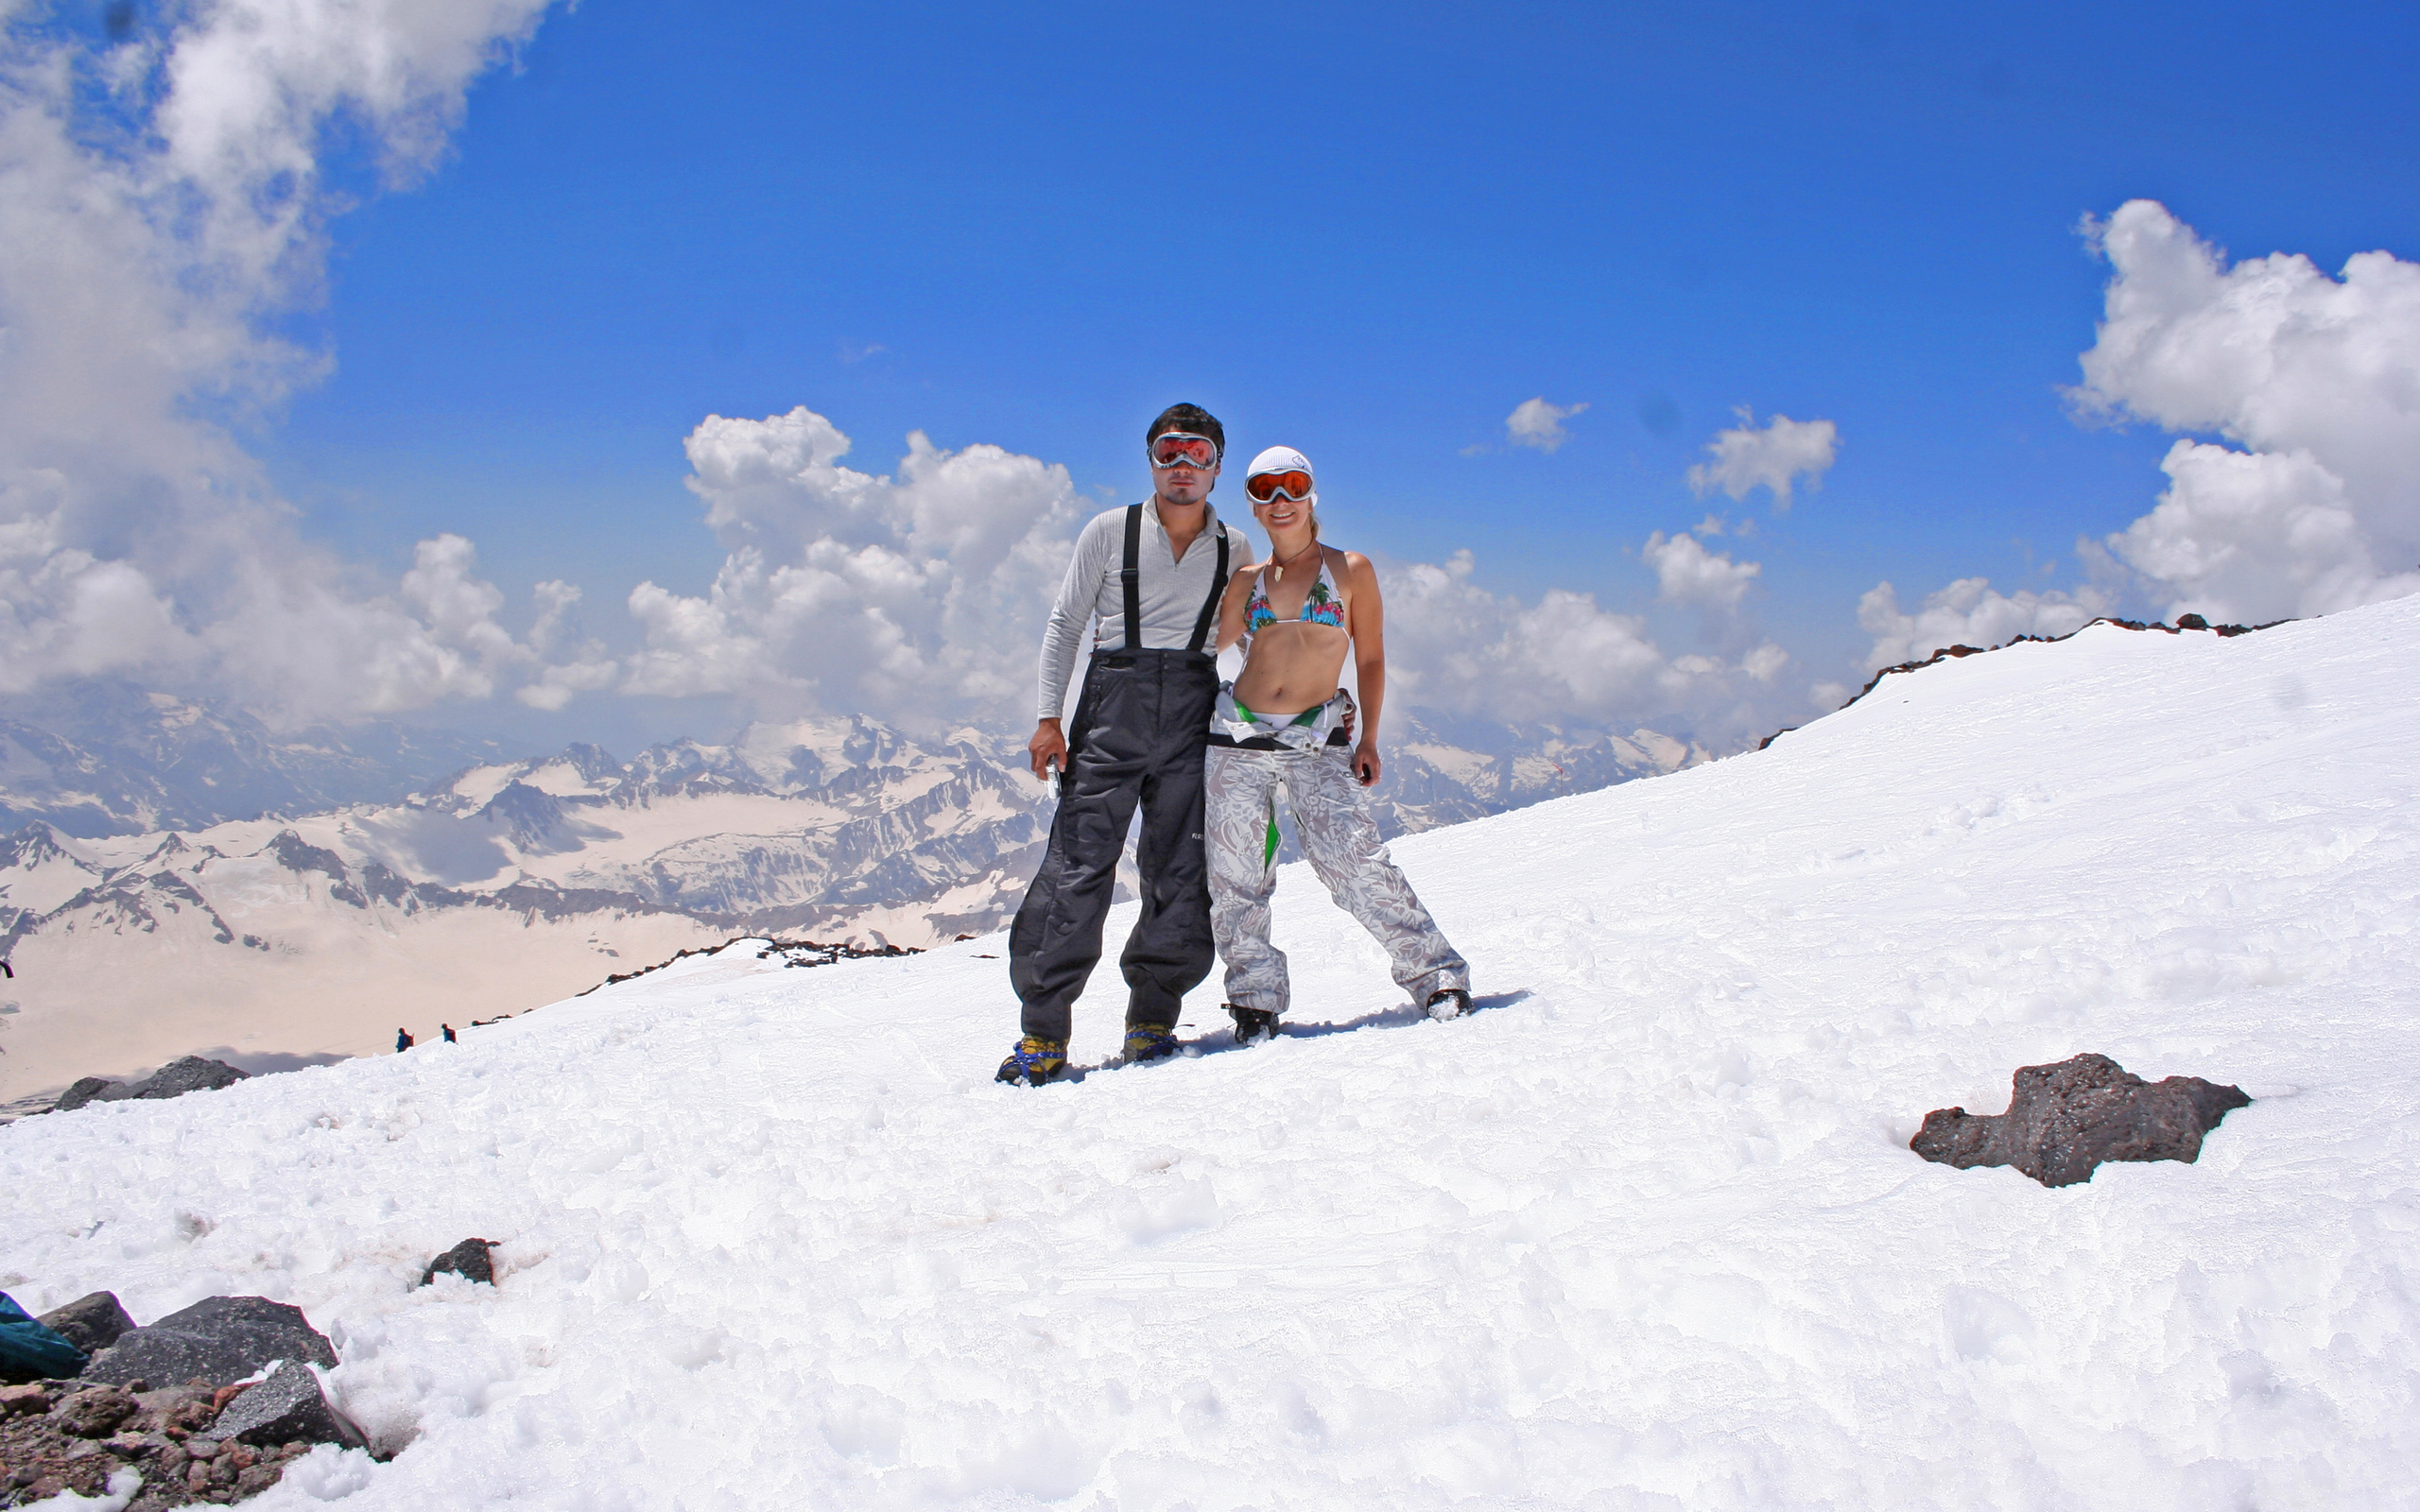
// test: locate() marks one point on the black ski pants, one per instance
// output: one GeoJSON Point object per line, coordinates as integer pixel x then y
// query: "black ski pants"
{"type": "Point", "coordinates": [1141, 726]}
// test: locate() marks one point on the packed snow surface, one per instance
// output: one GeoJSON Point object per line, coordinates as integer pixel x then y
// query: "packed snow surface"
{"type": "Point", "coordinates": [1642, 1232]}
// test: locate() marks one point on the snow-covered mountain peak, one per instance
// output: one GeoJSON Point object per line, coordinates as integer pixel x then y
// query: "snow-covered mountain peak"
{"type": "Point", "coordinates": [40, 868]}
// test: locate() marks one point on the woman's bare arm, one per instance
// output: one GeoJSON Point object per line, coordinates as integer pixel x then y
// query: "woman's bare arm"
{"type": "Point", "coordinates": [1367, 620]}
{"type": "Point", "coordinates": [1230, 605]}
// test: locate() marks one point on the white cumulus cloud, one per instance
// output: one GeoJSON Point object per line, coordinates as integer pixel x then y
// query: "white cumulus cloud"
{"type": "Point", "coordinates": [1535, 422]}
{"type": "Point", "coordinates": [1765, 663]}
{"type": "Point", "coordinates": [1562, 658]}
{"type": "Point", "coordinates": [917, 596]}
{"type": "Point", "coordinates": [2315, 380]}
{"type": "Point", "coordinates": [162, 211]}
{"type": "Point", "coordinates": [1772, 456]}
{"type": "Point", "coordinates": [1687, 573]}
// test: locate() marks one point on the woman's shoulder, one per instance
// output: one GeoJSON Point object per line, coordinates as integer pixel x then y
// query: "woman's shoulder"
{"type": "Point", "coordinates": [1347, 562]}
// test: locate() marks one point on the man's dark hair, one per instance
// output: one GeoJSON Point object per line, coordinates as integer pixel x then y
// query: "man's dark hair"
{"type": "Point", "coordinates": [1191, 419]}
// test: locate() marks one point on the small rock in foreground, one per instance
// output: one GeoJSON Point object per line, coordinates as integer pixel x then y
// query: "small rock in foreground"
{"type": "Point", "coordinates": [91, 1323]}
{"type": "Point", "coordinates": [2064, 1120]}
{"type": "Point", "coordinates": [217, 1340]}
{"type": "Point", "coordinates": [286, 1407]}
{"type": "Point", "coordinates": [469, 1260]}
{"type": "Point", "coordinates": [96, 1414]}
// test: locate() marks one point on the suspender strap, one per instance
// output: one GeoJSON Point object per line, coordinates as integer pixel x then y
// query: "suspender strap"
{"type": "Point", "coordinates": [1131, 575]}
{"type": "Point", "coordinates": [1131, 578]}
{"type": "Point", "coordinates": [1210, 605]}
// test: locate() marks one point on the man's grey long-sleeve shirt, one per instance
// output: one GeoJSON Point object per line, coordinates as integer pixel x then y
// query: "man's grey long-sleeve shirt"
{"type": "Point", "coordinates": [1171, 591]}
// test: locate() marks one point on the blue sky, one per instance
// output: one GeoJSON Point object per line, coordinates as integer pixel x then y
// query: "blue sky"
{"type": "Point", "coordinates": [1369, 233]}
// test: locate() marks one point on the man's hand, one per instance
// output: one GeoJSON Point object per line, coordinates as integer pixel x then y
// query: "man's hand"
{"type": "Point", "coordinates": [1349, 712]}
{"type": "Point", "coordinates": [1048, 749]}
{"type": "Point", "coordinates": [1366, 765]}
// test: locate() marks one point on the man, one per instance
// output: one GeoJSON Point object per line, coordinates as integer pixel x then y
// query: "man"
{"type": "Point", "coordinates": [1151, 574]}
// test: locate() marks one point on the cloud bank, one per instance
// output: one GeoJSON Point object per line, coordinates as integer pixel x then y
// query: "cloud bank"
{"type": "Point", "coordinates": [2314, 506]}
{"type": "Point", "coordinates": [2315, 380]}
{"type": "Point", "coordinates": [916, 595]}
{"type": "Point", "coordinates": [162, 207]}
{"type": "Point", "coordinates": [1774, 456]}
{"type": "Point", "coordinates": [1565, 659]}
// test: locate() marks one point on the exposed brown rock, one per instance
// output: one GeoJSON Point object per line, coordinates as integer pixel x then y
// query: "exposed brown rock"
{"type": "Point", "coordinates": [2064, 1120]}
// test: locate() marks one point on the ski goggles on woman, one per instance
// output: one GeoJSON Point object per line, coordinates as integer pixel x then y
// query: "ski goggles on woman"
{"type": "Point", "coordinates": [1293, 484]}
{"type": "Point", "coordinates": [1183, 448]}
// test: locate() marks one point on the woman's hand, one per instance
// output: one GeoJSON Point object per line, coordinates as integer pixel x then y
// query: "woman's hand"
{"type": "Point", "coordinates": [1366, 765]}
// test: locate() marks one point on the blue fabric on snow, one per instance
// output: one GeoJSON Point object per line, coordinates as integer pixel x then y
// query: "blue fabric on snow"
{"type": "Point", "coordinates": [32, 1351]}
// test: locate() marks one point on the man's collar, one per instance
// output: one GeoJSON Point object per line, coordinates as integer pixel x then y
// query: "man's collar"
{"type": "Point", "coordinates": [1151, 512]}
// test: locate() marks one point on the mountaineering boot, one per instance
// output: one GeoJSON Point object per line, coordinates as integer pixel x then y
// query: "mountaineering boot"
{"type": "Point", "coordinates": [1034, 1060]}
{"type": "Point", "coordinates": [1252, 1025]}
{"type": "Point", "coordinates": [1448, 1003]}
{"type": "Point", "coordinates": [1149, 1042]}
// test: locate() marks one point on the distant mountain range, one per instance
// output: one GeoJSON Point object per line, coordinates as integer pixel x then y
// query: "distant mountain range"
{"type": "Point", "coordinates": [183, 880]}
{"type": "Point", "coordinates": [113, 759]}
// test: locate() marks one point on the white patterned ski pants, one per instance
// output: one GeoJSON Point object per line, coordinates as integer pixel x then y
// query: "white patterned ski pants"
{"type": "Point", "coordinates": [1342, 842]}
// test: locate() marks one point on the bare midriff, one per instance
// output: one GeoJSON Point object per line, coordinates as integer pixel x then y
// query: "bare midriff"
{"type": "Point", "coordinates": [1292, 666]}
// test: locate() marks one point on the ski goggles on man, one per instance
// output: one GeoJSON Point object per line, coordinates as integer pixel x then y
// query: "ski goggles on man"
{"type": "Point", "coordinates": [1293, 483]}
{"type": "Point", "coordinates": [1183, 448]}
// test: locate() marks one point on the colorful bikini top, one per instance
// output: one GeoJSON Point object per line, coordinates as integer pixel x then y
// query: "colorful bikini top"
{"type": "Point", "coordinates": [1322, 605]}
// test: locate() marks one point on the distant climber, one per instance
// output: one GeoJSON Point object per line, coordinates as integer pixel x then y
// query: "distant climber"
{"type": "Point", "coordinates": [403, 1041]}
{"type": "Point", "coordinates": [448, 1030]}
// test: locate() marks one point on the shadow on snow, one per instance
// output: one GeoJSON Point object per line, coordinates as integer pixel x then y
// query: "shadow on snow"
{"type": "Point", "coordinates": [1222, 1041]}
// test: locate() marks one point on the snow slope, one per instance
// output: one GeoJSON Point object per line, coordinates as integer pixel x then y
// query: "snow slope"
{"type": "Point", "coordinates": [1643, 1233]}
{"type": "Point", "coordinates": [270, 938]}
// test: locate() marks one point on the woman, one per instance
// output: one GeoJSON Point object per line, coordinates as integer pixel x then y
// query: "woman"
{"type": "Point", "coordinates": [1276, 725]}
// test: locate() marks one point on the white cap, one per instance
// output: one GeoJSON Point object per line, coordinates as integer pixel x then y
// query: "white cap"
{"type": "Point", "coordinates": [1280, 459]}
{"type": "Point", "coordinates": [1284, 459]}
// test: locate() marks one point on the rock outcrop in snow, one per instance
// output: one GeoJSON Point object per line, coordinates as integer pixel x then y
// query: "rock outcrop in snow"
{"type": "Point", "coordinates": [473, 1259]}
{"type": "Point", "coordinates": [190, 1074]}
{"type": "Point", "coordinates": [2064, 1120]}
{"type": "Point", "coordinates": [220, 1339]}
